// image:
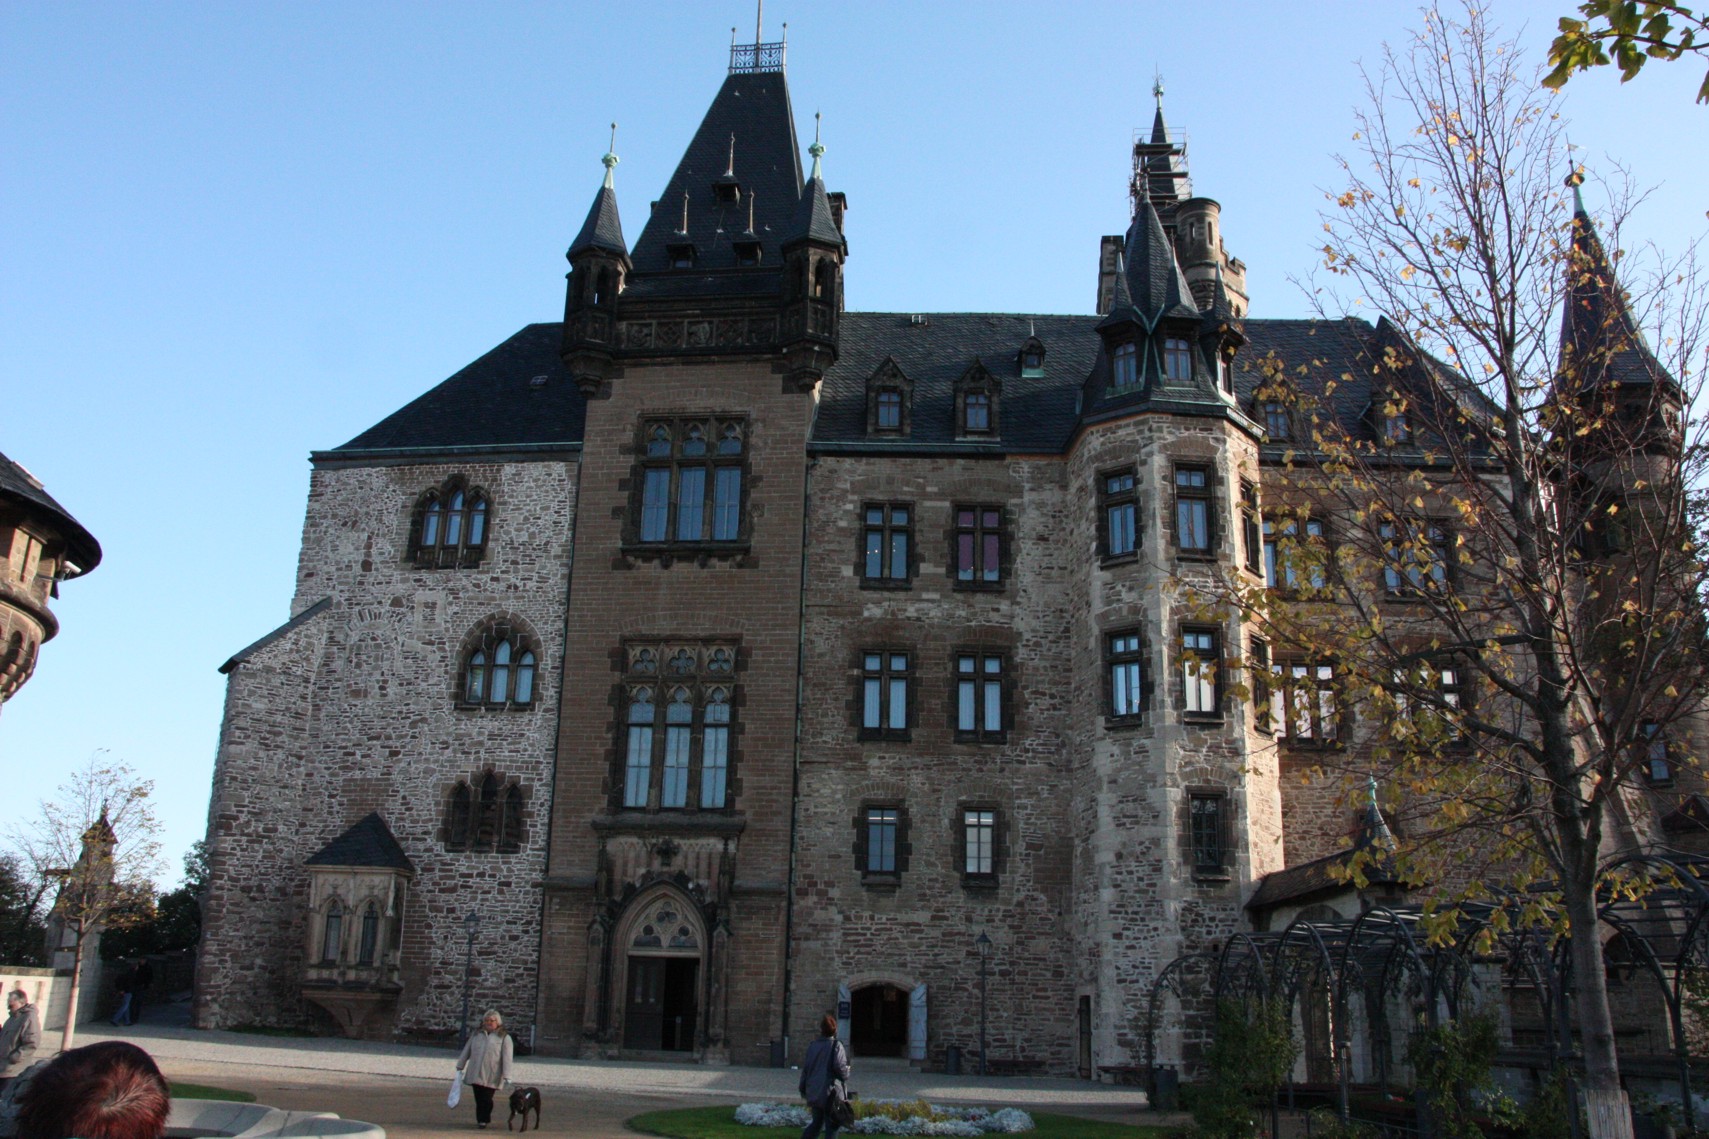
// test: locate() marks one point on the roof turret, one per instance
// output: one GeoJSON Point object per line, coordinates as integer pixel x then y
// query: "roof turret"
{"type": "Point", "coordinates": [1155, 284]}
{"type": "Point", "coordinates": [603, 230]}
{"type": "Point", "coordinates": [814, 220]}
{"type": "Point", "coordinates": [1600, 338]}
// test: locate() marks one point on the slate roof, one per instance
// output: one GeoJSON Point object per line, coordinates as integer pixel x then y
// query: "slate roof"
{"type": "Point", "coordinates": [603, 229]}
{"type": "Point", "coordinates": [1597, 325]}
{"type": "Point", "coordinates": [755, 108]}
{"type": "Point", "coordinates": [242, 655]}
{"type": "Point", "coordinates": [368, 843]}
{"type": "Point", "coordinates": [22, 487]}
{"type": "Point", "coordinates": [813, 219]}
{"type": "Point", "coordinates": [494, 402]}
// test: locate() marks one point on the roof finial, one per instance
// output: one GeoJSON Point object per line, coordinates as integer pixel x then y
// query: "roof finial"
{"type": "Point", "coordinates": [684, 228]}
{"type": "Point", "coordinates": [730, 170]}
{"type": "Point", "coordinates": [750, 211]}
{"type": "Point", "coordinates": [610, 158]}
{"type": "Point", "coordinates": [817, 149]}
{"type": "Point", "coordinates": [1575, 179]}
{"type": "Point", "coordinates": [1157, 87]}
{"type": "Point", "coordinates": [759, 20]}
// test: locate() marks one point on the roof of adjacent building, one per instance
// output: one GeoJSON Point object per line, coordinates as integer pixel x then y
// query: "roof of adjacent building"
{"type": "Point", "coordinates": [242, 655]}
{"type": "Point", "coordinates": [520, 395]}
{"type": "Point", "coordinates": [23, 488]}
{"type": "Point", "coordinates": [369, 843]}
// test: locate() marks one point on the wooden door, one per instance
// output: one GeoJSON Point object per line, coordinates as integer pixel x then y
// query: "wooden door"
{"type": "Point", "coordinates": [644, 1014]}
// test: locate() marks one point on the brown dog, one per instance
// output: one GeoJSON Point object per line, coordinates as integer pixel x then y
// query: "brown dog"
{"type": "Point", "coordinates": [523, 1101]}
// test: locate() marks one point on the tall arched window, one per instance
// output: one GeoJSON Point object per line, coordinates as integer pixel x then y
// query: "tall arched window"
{"type": "Point", "coordinates": [450, 526]}
{"type": "Point", "coordinates": [460, 818]}
{"type": "Point", "coordinates": [677, 750]}
{"type": "Point", "coordinates": [370, 934]}
{"type": "Point", "coordinates": [332, 933]}
{"type": "Point", "coordinates": [486, 829]}
{"type": "Point", "coordinates": [500, 665]}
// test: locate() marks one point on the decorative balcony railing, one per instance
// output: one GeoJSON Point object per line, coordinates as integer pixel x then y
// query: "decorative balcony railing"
{"type": "Point", "coordinates": [749, 59]}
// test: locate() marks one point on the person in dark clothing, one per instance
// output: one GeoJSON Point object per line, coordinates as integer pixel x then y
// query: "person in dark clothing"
{"type": "Point", "coordinates": [827, 1062]}
{"type": "Point", "coordinates": [141, 978]}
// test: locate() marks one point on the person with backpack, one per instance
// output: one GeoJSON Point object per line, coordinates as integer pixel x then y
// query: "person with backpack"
{"type": "Point", "coordinates": [824, 1073]}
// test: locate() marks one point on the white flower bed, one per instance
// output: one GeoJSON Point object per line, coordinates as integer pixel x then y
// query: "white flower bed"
{"type": "Point", "coordinates": [963, 1121]}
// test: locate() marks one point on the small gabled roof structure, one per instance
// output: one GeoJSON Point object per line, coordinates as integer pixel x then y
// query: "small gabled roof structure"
{"type": "Point", "coordinates": [26, 490]}
{"type": "Point", "coordinates": [368, 844]}
{"type": "Point", "coordinates": [242, 655]}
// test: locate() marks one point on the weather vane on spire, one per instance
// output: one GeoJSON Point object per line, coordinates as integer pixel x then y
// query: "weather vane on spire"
{"type": "Point", "coordinates": [1157, 86]}
{"type": "Point", "coordinates": [610, 158]}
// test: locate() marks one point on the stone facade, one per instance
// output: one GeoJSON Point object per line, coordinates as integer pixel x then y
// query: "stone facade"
{"type": "Point", "coordinates": [356, 710]}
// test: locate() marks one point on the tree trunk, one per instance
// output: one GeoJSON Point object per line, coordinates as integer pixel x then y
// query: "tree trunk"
{"type": "Point", "coordinates": [1609, 1115]}
{"type": "Point", "coordinates": [76, 995]}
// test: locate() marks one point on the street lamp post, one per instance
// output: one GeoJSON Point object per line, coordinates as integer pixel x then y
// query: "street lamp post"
{"type": "Point", "coordinates": [470, 924]}
{"type": "Point", "coordinates": [984, 944]}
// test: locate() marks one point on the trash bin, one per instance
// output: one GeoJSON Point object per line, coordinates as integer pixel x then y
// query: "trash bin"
{"type": "Point", "coordinates": [1165, 1089]}
{"type": "Point", "coordinates": [952, 1061]}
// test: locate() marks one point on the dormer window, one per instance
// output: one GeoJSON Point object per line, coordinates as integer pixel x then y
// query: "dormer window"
{"type": "Point", "coordinates": [1032, 358]}
{"type": "Point", "coordinates": [1397, 428]}
{"type": "Point", "coordinates": [1278, 425]}
{"type": "Point", "coordinates": [976, 395]}
{"type": "Point", "coordinates": [681, 254]}
{"type": "Point", "coordinates": [1126, 361]}
{"type": "Point", "coordinates": [747, 249]}
{"type": "Point", "coordinates": [887, 395]}
{"type": "Point", "coordinates": [1177, 359]}
{"type": "Point", "coordinates": [1224, 375]}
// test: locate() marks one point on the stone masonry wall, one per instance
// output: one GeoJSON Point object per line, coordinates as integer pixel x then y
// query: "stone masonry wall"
{"type": "Point", "coordinates": [356, 711]}
{"type": "Point", "coordinates": [922, 925]}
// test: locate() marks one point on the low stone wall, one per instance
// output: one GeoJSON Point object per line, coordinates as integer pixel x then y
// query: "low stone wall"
{"type": "Point", "coordinates": [202, 1118]}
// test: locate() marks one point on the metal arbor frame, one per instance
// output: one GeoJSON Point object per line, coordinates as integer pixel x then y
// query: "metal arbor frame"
{"type": "Point", "coordinates": [1658, 904]}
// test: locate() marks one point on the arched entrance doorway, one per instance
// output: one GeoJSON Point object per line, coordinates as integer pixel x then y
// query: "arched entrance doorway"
{"type": "Point", "coordinates": [878, 1021]}
{"type": "Point", "coordinates": [661, 947]}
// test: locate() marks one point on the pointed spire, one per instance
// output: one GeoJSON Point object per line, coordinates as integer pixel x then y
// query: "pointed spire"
{"type": "Point", "coordinates": [684, 227]}
{"type": "Point", "coordinates": [1159, 129]}
{"type": "Point", "coordinates": [817, 150]}
{"type": "Point", "coordinates": [1601, 339]}
{"type": "Point", "coordinates": [1154, 279]}
{"type": "Point", "coordinates": [730, 167]}
{"type": "Point", "coordinates": [1374, 833]}
{"type": "Point", "coordinates": [603, 230]}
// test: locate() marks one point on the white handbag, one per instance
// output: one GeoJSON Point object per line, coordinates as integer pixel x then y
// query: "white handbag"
{"type": "Point", "coordinates": [456, 1095]}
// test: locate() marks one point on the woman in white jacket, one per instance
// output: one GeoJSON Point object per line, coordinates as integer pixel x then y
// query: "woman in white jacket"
{"type": "Point", "coordinates": [485, 1064]}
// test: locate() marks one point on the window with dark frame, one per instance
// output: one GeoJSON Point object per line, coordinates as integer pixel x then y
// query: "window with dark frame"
{"type": "Point", "coordinates": [1258, 671]}
{"type": "Point", "coordinates": [1658, 766]}
{"type": "Point", "coordinates": [1397, 428]}
{"type": "Point", "coordinates": [332, 933]}
{"type": "Point", "coordinates": [1416, 556]}
{"type": "Point", "coordinates": [1304, 707]}
{"type": "Point", "coordinates": [1127, 676]}
{"type": "Point", "coordinates": [887, 410]}
{"type": "Point", "coordinates": [1287, 556]}
{"type": "Point", "coordinates": [979, 696]}
{"type": "Point", "coordinates": [1201, 672]}
{"type": "Point", "coordinates": [450, 526]}
{"type": "Point", "coordinates": [979, 843]}
{"type": "Point", "coordinates": [887, 541]}
{"type": "Point", "coordinates": [370, 936]}
{"type": "Point", "coordinates": [678, 711]}
{"type": "Point", "coordinates": [978, 545]}
{"type": "Point", "coordinates": [1207, 832]}
{"type": "Point", "coordinates": [886, 679]}
{"type": "Point", "coordinates": [1250, 527]}
{"type": "Point", "coordinates": [1120, 501]}
{"type": "Point", "coordinates": [1278, 423]}
{"type": "Point", "coordinates": [881, 840]}
{"type": "Point", "coordinates": [1177, 359]}
{"type": "Point", "coordinates": [484, 814]}
{"type": "Point", "coordinates": [499, 670]}
{"type": "Point", "coordinates": [691, 477]}
{"type": "Point", "coordinates": [976, 413]}
{"type": "Point", "coordinates": [1125, 367]}
{"type": "Point", "coordinates": [1193, 510]}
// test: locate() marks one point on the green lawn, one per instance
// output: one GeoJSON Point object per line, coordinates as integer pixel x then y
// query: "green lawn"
{"type": "Point", "coordinates": [720, 1123]}
{"type": "Point", "coordinates": [203, 1091]}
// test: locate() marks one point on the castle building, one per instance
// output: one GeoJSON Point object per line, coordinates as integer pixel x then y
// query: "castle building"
{"type": "Point", "coordinates": [43, 545]}
{"type": "Point", "coordinates": [729, 657]}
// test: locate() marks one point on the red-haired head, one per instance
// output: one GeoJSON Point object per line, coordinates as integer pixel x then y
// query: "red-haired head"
{"type": "Point", "coordinates": [110, 1090]}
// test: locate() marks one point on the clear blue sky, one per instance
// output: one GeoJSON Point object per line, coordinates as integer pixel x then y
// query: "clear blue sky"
{"type": "Point", "coordinates": [235, 232]}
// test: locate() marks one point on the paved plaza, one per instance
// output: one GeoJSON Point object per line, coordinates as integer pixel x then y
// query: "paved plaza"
{"type": "Point", "coordinates": [402, 1087]}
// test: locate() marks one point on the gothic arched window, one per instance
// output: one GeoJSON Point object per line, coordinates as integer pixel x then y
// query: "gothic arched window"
{"type": "Point", "coordinates": [499, 668]}
{"type": "Point", "coordinates": [332, 933]}
{"type": "Point", "coordinates": [370, 934]}
{"type": "Point", "coordinates": [485, 814]}
{"type": "Point", "coordinates": [450, 525]}
{"type": "Point", "coordinates": [676, 743]}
